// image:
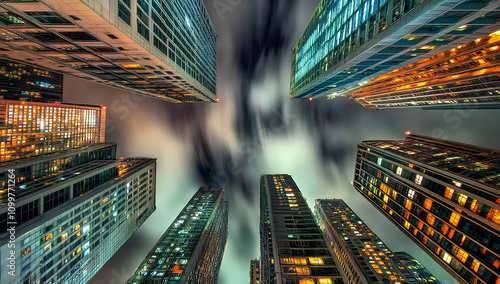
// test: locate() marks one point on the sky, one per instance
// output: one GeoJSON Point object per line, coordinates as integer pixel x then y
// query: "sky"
{"type": "Point", "coordinates": [257, 129]}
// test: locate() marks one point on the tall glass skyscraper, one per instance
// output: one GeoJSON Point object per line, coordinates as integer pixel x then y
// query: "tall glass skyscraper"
{"type": "Point", "coordinates": [444, 195]}
{"type": "Point", "coordinates": [419, 271]}
{"type": "Point", "coordinates": [191, 249]}
{"type": "Point", "coordinates": [158, 48]}
{"type": "Point", "coordinates": [292, 246]}
{"type": "Point", "coordinates": [71, 223]}
{"type": "Point", "coordinates": [31, 128]}
{"type": "Point", "coordinates": [363, 256]}
{"type": "Point", "coordinates": [19, 81]}
{"type": "Point", "coordinates": [347, 43]}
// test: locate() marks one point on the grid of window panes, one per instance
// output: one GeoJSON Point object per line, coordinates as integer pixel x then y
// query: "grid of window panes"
{"type": "Point", "coordinates": [439, 202]}
{"type": "Point", "coordinates": [356, 246]}
{"type": "Point", "coordinates": [303, 256]}
{"type": "Point", "coordinates": [338, 28]}
{"type": "Point", "coordinates": [182, 31]}
{"type": "Point", "coordinates": [411, 264]}
{"type": "Point", "coordinates": [201, 228]}
{"type": "Point", "coordinates": [72, 244]}
{"type": "Point", "coordinates": [28, 129]}
{"type": "Point", "coordinates": [28, 83]}
{"type": "Point", "coordinates": [467, 74]}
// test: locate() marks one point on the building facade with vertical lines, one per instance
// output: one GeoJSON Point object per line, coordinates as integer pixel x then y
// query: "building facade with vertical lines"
{"type": "Point", "coordinates": [293, 249]}
{"type": "Point", "coordinates": [70, 224]}
{"type": "Point", "coordinates": [444, 195]}
{"type": "Point", "coordinates": [158, 48]}
{"type": "Point", "coordinates": [191, 249]}
{"type": "Point", "coordinates": [419, 271]}
{"type": "Point", "coordinates": [347, 43]}
{"type": "Point", "coordinates": [29, 129]}
{"type": "Point", "coordinates": [363, 256]}
{"type": "Point", "coordinates": [254, 277]}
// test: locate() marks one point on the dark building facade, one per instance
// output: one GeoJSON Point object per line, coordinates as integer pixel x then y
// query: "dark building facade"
{"type": "Point", "coordinates": [159, 48]}
{"type": "Point", "coordinates": [254, 274]}
{"type": "Point", "coordinates": [347, 43]}
{"type": "Point", "coordinates": [191, 249]}
{"type": "Point", "coordinates": [444, 195]}
{"type": "Point", "coordinates": [19, 81]}
{"type": "Point", "coordinates": [419, 271]}
{"type": "Point", "coordinates": [292, 247]}
{"type": "Point", "coordinates": [363, 256]}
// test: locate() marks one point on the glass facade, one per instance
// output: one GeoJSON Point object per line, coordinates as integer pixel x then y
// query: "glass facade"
{"type": "Point", "coordinates": [444, 195]}
{"type": "Point", "coordinates": [28, 128]}
{"type": "Point", "coordinates": [254, 277]}
{"type": "Point", "coordinates": [159, 48]}
{"type": "Point", "coordinates": [191, 249]}
{"type": "Point", "coordinates": [411, 264]}
{"type": "Point", "coordinates": [24, 82]}
{"type": "Point", "coordinates": [293, 249]}
{"type": "Point", "coordinates": [76, 234]}
{"type": "Point", "coordinates": [363, 256]}
{"type": "Point", "coordinates": [347, 43]}
{"type": "Point", "coordinates": [464, 75]}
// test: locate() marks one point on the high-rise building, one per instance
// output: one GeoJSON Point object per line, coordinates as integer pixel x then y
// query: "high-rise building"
{"type": "Point", "coordinates": [347, 43]}
{"type": "Point", "coordinates": [159, 48]}
{"type": "Point", "coordinates": [191, 249]}
{"type": "Point", "coordinates": [444, 195]}
{"type": "Point", "coordinates": [363, 256]}
{"type": "Point", "coordinates": [419, 271]}
{"type": "Point", "coordinates": [463, 76]}
{"type": "Point", "coordinates": [71, 223]}
{"type": "Point", "coordinates": [19, 81]}
{"type": "Point", "coordinates": [292, 246]}
{"type": "Point", "coordinates": [254, 272]}
{"type": "Point", "coordinates": [31, 128]}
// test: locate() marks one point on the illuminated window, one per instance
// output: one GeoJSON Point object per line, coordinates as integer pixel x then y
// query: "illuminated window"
{"type": "Point", "coordinates": [430, 219]}
{"type": "Point", "coordinates": [454, 219]}
{"type": "Point", "coordinates": [78, 234]}
{"type": "Point", "coordinates": [420, 225]}
{"type": "Point", "coordinates": [445, 228]}
{"type": "Point", "coordinates": [386, 198]}
{"type": "Point", "coordinates": [325, 281]}
{"type": "Point", "coordinates": [379, 161]}
{"type": "Point", "coordinates": [407, 225]}
{"type": "Point", "coordinates": [407, 215]}
{"type": "Point", "coordinates": [427, 204]}
{"type": "Point", "coordinates": [411, 193]}
{"type": "Point", "coordinates": [131, 66]}
{"type": "Point", "coordinates": [104, 200]}
{"type": "Point", "coordinates": [448, 193]}
{"type": "Point", "coordinates": [475, 265]}
{"type": "Point", "coordinates": [408, 204]}
{"type": "Point", "coordinates": [316, 261]}
{"type": "Point", "coordinates": [25, 251]}
{"type": "Point", "coordinates": [462, 199]}
{"type": "Point", "coordinates": [303, 270]}
{"type": "Point", "coordinates": [399, 170]}
{"type": "Point", "coordinates": [64, 236]}
{"type": "Point", "coordinates": [447, 258]}
{"type": "Point", "coordinates": [461, 255]}
{"type": "Point", "coordinates": [475, 206]}
{"type": "Point", "coordinates": [418, 179]}
{"type": "Point", "coordinates": [78, 250]}
{"type": "Point", "coordinates": [494, 215]}
{"type": "Point", "coordinates": [306, 281]}
{"type": "Point", "coordinates": [48, 237]}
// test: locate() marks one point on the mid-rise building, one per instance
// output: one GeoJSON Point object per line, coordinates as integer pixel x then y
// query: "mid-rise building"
{"type": "Point", "coordinates": [29, 129]}
{"type": "Point", "coordinates": [444, 195]}
{"type": "Point", "coordinates": [191, 249]}
{"type": "Point", "coordinates": [158, 48]}
{"type": "Point", "coordinates": [19, 81]}
{"type": "Point", "coordinates": [464, 76]}
{"type": "Point", "coordinates": [292, 246]}
{"type": "Point", "coordinates": [419, 271]}
{"type": "Point", "coordinates": [254, 272]}
{"type": "Point", "coordinates": [364, 257]}
{"type": "Point", "coordinates": [347, 43]}
{"type": "Point", "coordinates": [71, 223]}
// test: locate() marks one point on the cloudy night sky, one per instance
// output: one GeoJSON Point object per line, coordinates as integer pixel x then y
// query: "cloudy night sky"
{"type": "Point", "coordinates": [257, 129]}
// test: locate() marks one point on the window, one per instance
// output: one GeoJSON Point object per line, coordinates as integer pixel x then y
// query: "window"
{"type": "Point", "coordinates": [399, 170]}
{"type": "Point", "coordinates": [408, 204]}
{"type": "Point", "coordinates": [454, 219]}
{"type": "Point", "coordinates": [427, 204]}
{"type": "Point", "coordinates": [411, 193]}
{"type": "Point", "coordinates": [448, 193]}
{"type": "Point", "coordinates": [461, 255]}
{"type": "Point", "coordinates": [430, 219]}
{"type": "Point", "coordinates": [462, 199]}
{"type": "Point", "coordinates": [316, 261]}
{"type": "Point", "coordinates": [418, 179]}
{"type": "Point", "coordinates": [494, 215]}
{"type": "Point", "coordinates": [447, 257]}
{"type": "Point", "coordinates": [475, 265]}
{"type": "Point", "coordinates": [379, 161]}
{"type": "Point", "coordinates": [407, 225]}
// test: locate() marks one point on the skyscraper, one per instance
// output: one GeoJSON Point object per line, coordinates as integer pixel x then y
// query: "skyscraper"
{"type": "Point", "coordinates": [462, 76]}
{"type": "Point", "coordinates": [411, 264]}
{"type": "Point", "coordinates": [292, 246]}
{"type": "Point", "coordinates": [19, 81]}
{"type": "Point", "coordinates": [159, 48]}
{"type": "Point", "coordinates": [71, 223]}
{"type": "Point", "coordinates": [191, 249]}
{"type": "Point", "coordinates": [30, 128]}
{"type": "Point", "coordinates": [347, 43]}
{"type": "Point", "coordinates": [444, 195]}
{"type": "Point", "coordinates": [363, 256]}
{"type": "Point", "coordinates": [254, 272]}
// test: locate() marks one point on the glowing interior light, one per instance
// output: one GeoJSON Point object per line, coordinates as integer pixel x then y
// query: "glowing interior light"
{"type": "Point", "coordinates": [310, 99]}
{"type": "Point", "coordinates": [407, 133]}
{"type": "Point", "coordinates": [217, 99]}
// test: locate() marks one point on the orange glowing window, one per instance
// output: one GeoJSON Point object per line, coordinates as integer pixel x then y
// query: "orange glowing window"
{"type": "Point", "coordinates": [475, 206]}
{"type": "Point", "coordinates": [430, 231]}
{"type": "Point", "coordinates": [78, 234]}
{"type": "Point", "coordinates": [451, 233]}
{"type": "Point", "coordinates": [408, 204]}
{"type": "Point", "coordinates": [407, 225]}
{"type": "Point", "coordinates": [177, 268]}
{"type": "Point", "coordinates": [475, 265]}
{"type": "Point", "coordinates": [386, 198]}
{"type": "Point", "coordinates": [316, 261]}
{"type": "Point", "coordinates": [448, 193]}
{"type": "Point", "coordinates": [132, 66]}
{"type": "Point", "coordinates": [420, 225]}
{"type": "Point", "coordinates": [430, 219]}
{"type": "Point", "coordinates": [445, 228]}
{"type": "Point", "coordinates": [461, 255]}
{"type": "Point", "coordinates": [496, 263]}
{"type": "Point", "coordinates": [78, 250]}
{"type": "Point", "coordinates": [494, 215]}
{"type": "Point", "coordinates": [306, 281]}
{"type": "Point", "coordinates": [394, 195]}
{"type": "Point", "coordinates": [407, 215]}
{"type": "Point", "coordinates": [462, 199]}
{"type": "Point", "coordinates": [325, 281]}
{"type": "Point", "coordinates": [454, 219]}
{"type": "Point", "coordinates": [427, 204]}
{"type": "Point", "coordinates": [48, 237]}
